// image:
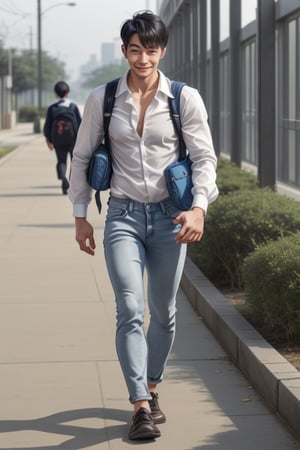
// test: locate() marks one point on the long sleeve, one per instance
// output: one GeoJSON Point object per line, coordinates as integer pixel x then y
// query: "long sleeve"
{"type": "Point", "coordinates": [197, 137]}
{"type": "Point", "coordinates": [48, 124]}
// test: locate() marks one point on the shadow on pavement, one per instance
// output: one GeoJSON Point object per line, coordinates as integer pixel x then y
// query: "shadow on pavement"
{"type": "Point", "coordinates": [81, 436]}
{"type": "Point", "coordinates": [29, 194]}
{"type": "Point", "coordinates": [46, 225]}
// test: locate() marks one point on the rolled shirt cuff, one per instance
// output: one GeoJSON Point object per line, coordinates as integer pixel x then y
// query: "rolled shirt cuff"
{"type": "Point", "coordinates": [80, 210]}
{"type": "Point", "coordinates": [200, 202]}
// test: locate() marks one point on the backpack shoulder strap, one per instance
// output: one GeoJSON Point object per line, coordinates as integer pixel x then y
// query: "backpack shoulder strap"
{"type": "Point", "coordinates": [72, 106]}
{"type": "Point", "coordinates": [109, 101]}
{"type": "Point", "coordinates": [55, 106]}
{"type": "Point", "coordinates": [108, 106]}
{"type": "Point", "coordinates": [174, 105]}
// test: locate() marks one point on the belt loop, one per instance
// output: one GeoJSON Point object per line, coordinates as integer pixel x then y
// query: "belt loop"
{"type": "Point", "coordinates": [162, 207]}
{"type": "Point", "coordinates": [130, 205]}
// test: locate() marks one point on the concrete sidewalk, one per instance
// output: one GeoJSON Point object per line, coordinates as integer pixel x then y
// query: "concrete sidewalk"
{"type": "Point", "coordinates": [60, 381]}
{"type": "Point", "coordinates": [18, 136]}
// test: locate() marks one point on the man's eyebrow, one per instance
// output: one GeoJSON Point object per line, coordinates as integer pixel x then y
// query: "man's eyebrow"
{"type": "Point", "coordinates": [140, 46]}
{"type": "Point", "coordinates": [134, 45]}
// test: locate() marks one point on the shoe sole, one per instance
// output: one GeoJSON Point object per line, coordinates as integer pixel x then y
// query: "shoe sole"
{"type": "Point", "coordinates": [159, 421]}
{"type": "Point", "coordinates": [144, 437]}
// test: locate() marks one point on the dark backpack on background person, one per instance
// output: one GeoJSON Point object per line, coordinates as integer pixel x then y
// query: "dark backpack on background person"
{"type": "Point", "coordinates": [64, 125]}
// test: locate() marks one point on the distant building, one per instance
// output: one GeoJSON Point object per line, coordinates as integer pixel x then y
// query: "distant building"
{"type": "Point", "coordinates": [90, 65]}
{"type": "Point", "coordinates": [110, 52]}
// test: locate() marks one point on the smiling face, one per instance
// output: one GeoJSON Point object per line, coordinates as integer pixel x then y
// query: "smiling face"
{"type": "Point", "coordinates": [143, 62]}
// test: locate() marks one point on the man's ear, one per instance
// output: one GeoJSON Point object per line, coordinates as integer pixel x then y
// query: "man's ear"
{"type": "Point", "coordinates": [124, 51]}
{"type": "Point", "coordinates": [163, 53]}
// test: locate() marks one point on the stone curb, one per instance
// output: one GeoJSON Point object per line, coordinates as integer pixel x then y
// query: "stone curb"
{"type": "Point", "coordinates": [277, 381]}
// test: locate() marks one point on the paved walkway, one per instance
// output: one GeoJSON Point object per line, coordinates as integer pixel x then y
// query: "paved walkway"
{"type": "Point", "coordinates": [60, 381]}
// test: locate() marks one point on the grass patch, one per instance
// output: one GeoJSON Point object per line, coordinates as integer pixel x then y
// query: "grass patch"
{"type": "Point", "coordinates": [5, 150]}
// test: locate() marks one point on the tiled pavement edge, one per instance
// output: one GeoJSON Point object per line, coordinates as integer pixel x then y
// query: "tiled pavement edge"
{"type": "Point", "coordinates": [60, 381]}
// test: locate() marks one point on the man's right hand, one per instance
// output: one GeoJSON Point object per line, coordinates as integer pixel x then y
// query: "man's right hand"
{"type": "Point", "coordinates": [85, 235]}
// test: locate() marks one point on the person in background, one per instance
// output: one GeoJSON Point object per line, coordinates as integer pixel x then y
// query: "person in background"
{"type": "Point", "coordinates": [143, 229]}
{"type": "Point", "coordinates": [60, 130]}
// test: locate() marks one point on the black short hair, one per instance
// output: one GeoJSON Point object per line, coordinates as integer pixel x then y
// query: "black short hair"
{"type": "Point", "coordinates": [61, 89]}
{"type": "Point", "coordinates": [150, 28]}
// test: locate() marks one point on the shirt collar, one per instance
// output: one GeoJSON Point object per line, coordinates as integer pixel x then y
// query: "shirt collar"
{"type": "Point", "coordinates": [165, 85]}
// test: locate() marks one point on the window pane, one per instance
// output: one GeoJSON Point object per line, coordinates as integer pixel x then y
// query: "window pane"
{"type": "Point", "coordinates": [208, 23]}
{"type": "Point", "coordinates": [248, 11]}
{"type": "Point", "coordinates": [292, 70]}
{"type": "Point", "coordinates": [224, 22]}
{"type": "Point", "coordinates": [292, 156]}
{"type": "Point", "coordinates": [249, 104]}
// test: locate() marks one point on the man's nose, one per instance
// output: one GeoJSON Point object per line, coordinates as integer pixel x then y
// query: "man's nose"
{"type": "Point", "coordinates": [144, 57]}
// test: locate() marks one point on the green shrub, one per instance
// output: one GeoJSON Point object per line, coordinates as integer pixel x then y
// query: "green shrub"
{"type": "Point", "coordinates": [272, 285]}
{"type": "Point", "coordinates": [29, 113]}
{"type": "Point", "coordinates": [231, 178]}
{"type": "Point", "coordinates": [236, 224]}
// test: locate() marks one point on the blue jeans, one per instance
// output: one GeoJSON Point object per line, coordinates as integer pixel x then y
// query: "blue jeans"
{"type": "Point", "coordinates": [140, 236]}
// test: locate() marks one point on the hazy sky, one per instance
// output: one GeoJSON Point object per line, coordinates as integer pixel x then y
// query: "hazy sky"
{"type": "Point", "coordinates": [70, 33]}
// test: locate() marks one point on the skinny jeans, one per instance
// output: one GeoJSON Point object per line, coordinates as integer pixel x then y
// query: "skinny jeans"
{"type": "Point", "coordinates": [138, 237]}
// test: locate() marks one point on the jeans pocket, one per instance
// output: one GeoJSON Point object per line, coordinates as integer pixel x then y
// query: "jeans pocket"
{"type": "Point", "coordinates": [171, 210]}
{"type": "Point", "coordinates": [115, 212]}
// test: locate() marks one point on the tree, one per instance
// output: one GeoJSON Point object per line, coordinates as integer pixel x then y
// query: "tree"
{"type": "Point", "coordinates": [3, 61]}
{"type": "Point", "coordinates": [104, 74]}
{"type": "Point", "coordinates": [24, 69]}
{"type": "Point", "coordinates": [53, 70]}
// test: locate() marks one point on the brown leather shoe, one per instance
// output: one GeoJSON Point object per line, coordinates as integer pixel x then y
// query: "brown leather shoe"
{"type": "Point", "coordinates": [143, 426]}
{"type": "Point", "coordinates": [156, 412]}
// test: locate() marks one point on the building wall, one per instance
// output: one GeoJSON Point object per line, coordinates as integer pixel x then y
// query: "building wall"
{"type": "Point", "coordinates": [244, 57]}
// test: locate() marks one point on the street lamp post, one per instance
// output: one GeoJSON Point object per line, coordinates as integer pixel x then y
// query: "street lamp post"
{"type": "Point", "coordinates": [39, 34]}
{"type": "Point", "coordinates": [39, 52]}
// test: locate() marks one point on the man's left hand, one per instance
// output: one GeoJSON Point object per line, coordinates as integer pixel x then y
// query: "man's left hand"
{"type": "Point", "coordinates": [192, 226]}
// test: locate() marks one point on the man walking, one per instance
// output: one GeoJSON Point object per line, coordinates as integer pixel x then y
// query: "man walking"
{"type": "Point", "coordinates": [143, 229]}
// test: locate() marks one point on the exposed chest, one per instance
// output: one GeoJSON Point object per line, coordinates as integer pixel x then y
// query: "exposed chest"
{"type": "Point", "coordinates": [141, 102]}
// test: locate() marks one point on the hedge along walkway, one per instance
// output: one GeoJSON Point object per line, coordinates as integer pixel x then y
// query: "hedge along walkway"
{"type": "Point", "coordinates": [246, 216]}
{"type": "Point", "coordinates": [272, 282]}
{"type": "Point", "coordinates": [289, 350]}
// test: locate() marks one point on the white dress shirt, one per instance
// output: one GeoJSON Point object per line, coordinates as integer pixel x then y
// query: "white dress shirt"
{"type": "Point", "coordinates": [139, 161]}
